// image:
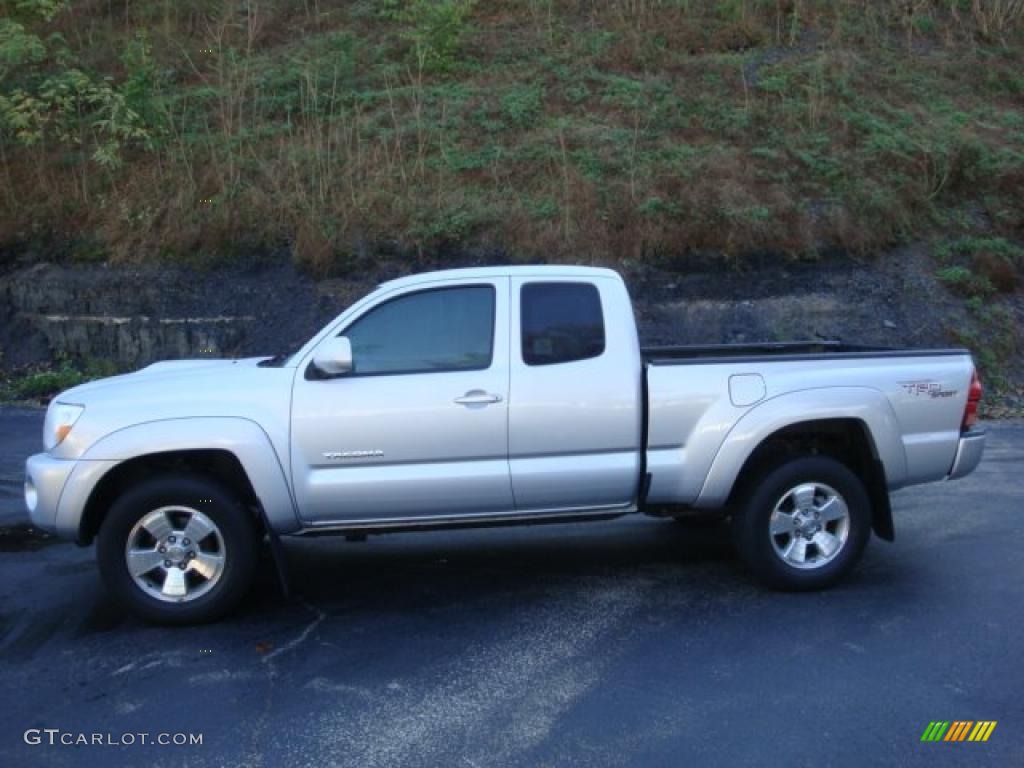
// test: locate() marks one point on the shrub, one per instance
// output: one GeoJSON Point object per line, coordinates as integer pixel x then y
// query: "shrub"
{"type": "Point", "coordinates": [522, 104]}
{"type": "Point", "coordinates": [994, 265]}
{"type": "Point", "coordinates": [45, 383]}
{"type": "Point", "coordinates": [435, 28]}
{"type": "Point", "coordinates": [965, 282]}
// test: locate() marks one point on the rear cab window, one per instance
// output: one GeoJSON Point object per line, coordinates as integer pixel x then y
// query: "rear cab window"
{"type": "Point", "coordinates": [561, 322]}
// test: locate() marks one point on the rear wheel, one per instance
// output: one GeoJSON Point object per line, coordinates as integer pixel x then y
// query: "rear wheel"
{"type": "Point", "coordinates": [804, 525]}
{"type": "Point", "coordinates": [178, 549]}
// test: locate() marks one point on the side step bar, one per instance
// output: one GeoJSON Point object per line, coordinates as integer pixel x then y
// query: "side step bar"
{"type": "Point", "coordinates": [357, 528]}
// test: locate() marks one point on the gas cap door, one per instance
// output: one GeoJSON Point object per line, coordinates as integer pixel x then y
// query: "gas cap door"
{"type": "Point", "coordinates": [746, 389]}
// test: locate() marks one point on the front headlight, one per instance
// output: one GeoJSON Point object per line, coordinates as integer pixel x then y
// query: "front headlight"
{"type": "Point", "coordinates": [60, 418]}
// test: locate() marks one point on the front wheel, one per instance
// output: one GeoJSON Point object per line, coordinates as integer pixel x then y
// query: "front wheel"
{"type": "Point", "coordinates": [178, 549]}
{"type": "Point", "coordinates": [804, 525]}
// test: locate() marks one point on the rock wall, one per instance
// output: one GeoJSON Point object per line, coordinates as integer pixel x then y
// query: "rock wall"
{"type": "Point", "coordinates": [137, 315]}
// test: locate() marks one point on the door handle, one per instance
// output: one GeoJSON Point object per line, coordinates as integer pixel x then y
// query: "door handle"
{"type": "Point", "coordinates": [477, 397]}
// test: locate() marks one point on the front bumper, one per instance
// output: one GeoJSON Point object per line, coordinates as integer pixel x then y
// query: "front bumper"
{"type": "Point", "coordinates": [968, 453]}
{"type": "Point", "coordinates": [57, 491]}
{"type": "Point", "coordinates": [45, 478]}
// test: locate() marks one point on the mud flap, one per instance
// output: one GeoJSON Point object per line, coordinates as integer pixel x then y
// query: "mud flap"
{"type": "Point", "coordinates": [881, 518]}
{"type": "Point", "coordinates": [277, 552]}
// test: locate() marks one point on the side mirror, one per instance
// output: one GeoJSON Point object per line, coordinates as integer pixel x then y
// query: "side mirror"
{"type": "Point", "coordinates": [334, 356]}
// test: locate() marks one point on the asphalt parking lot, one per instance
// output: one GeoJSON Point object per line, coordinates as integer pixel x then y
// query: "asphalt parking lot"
{"type": "Point", "coordinates": [631, 642]}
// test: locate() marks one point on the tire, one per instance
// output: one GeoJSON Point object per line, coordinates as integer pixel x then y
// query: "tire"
{"type": "Point", "coordinates": [775, 524]}
{"type": "Point", "coordinates": [208, 574]}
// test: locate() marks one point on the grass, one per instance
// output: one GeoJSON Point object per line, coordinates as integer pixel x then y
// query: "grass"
{"type": "Point", "coordinates": [978, 267]}
{"type": "Point", "coordinates": [549, 129]}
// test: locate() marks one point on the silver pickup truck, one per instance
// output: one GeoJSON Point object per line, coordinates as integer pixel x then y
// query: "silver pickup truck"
{"type": "Point", "coordinates": [491, 396]}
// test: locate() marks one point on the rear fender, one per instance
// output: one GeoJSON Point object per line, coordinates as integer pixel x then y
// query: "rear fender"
{"type": "Point", "coordinates": [865, 404]}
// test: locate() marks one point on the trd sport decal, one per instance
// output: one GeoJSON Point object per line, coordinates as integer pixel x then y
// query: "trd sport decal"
{"type": "Point", "coordinates": [927, 388]}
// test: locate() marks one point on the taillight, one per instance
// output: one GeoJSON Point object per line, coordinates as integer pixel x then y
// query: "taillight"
{"type": "Point", "coordinates": [973, 398]}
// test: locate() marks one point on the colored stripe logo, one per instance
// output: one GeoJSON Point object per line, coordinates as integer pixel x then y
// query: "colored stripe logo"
{"type": "Point", "coordinates": [958, 730]}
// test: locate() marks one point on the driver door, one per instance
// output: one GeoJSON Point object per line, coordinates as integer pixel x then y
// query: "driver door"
{"type": "Point", "coordinates": [419, 427]}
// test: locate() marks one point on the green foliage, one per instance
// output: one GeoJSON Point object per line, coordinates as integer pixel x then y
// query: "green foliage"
{"type": "Point", "coordinates": [142, 88]}
{"type": "Point", "coordinates": [66, 106]}
{"type": "Point", "coordinates": [544, 209]}
{"type": "Point", "coordinates": [623, 93]}
{"type": "Point", "coordinates": [577, 93]}
{"type": "Point", "coordinates": [655, 207]}
{"type": "Point", "coordinates": [965, 282]}
{"type": "Point", "coordinates": [924, 24]}
{"type": "Point", "coordinates": [18, 48]}
{"type": "Point", "coordinates": [44, 383]}
{"type": "Point", "coordinates": [317, 76]}
{"type": "Point", "coordinates": [592, 165]}
{"type": "Point", "coordinates": [522, 104]}
{"type": "Point", "coordinates": [542, 126]}
{"type": "Point", "coordinates": [998, 246]}
{"type": "Point", "coordinates": [78, 112]}
{"type": "Point", "coordinates": [981, 266]}
{"type": "Point", "coordinates": [730, 10]}
{"type": "Point", "coordinates": [452, 223]}
{"type": "Point", "coordinates": [42, 9]}
{"type": "Point", "coordinates": [435, 29]}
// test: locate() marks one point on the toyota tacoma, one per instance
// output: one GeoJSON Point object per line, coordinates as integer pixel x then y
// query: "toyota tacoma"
{"type": "Point", "coordinates": [492, 396]}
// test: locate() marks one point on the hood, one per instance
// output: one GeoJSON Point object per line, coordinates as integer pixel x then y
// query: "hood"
{"type": "Point", "coordinates": [179, 389]}
{"type": "Point", "coordinates": [165, 371]}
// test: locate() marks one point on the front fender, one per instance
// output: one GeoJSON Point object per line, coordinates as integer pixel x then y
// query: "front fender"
{"type": "Point", "coordinates": [865, 404]}
{"type": "Point", "coordinates": [243, 438]}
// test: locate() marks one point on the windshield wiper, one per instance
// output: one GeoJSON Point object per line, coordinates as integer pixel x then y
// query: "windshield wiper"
{"type": "Point", "coordinates": [276, 361]}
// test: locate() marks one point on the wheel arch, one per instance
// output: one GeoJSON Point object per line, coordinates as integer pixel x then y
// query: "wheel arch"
{"type": "Point", "coordinates": [236, 452]}
{"type": "Point", "coordinates": [216, 464]}
{"type": "Point", "coordinates": [853, 425]}
{"type": "Point", "coordinates": [848, 441]}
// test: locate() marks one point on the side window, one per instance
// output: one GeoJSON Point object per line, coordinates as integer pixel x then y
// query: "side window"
{"type": "Point", "coordinates": [444, 329]}
{"type": "Point", "coordinates": [561, 322]}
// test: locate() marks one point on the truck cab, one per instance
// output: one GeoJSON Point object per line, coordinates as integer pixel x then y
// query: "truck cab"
{"type": "Point", "coordinates": [471, 393]}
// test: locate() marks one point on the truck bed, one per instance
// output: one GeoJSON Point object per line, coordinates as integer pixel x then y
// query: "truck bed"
{"type": "Point", "coordinates": [778, 350]}
{"type": "Point", "coordinates": [911, 401]}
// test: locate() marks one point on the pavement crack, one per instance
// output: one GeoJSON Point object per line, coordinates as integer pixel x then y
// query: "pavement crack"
{"type": "Point", "coordinates": [301, 637]}
{"type": "Point", "coordinates": [256, 756]}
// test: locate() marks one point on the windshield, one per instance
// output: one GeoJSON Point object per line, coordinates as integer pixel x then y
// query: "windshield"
{"type": "Point", "coordinates": [283, 358]}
